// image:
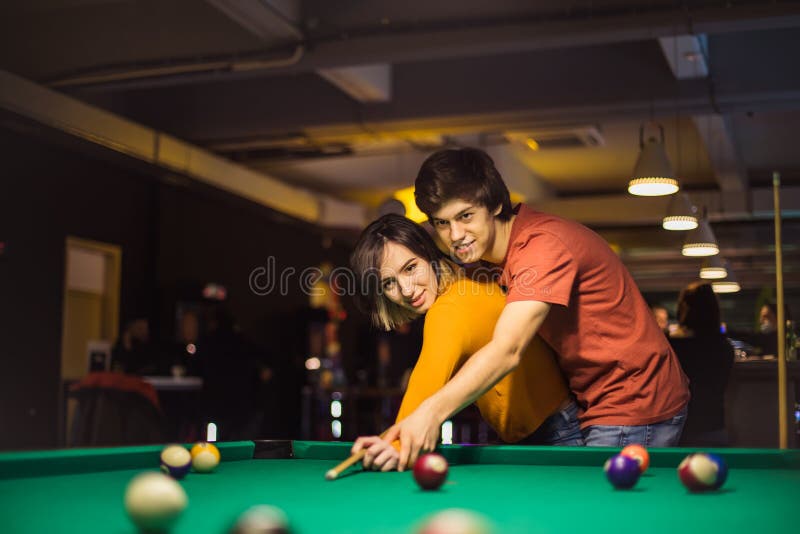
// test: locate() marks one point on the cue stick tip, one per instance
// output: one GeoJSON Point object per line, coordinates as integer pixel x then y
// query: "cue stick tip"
{"type": "Point", "coordinates": [331, 474]}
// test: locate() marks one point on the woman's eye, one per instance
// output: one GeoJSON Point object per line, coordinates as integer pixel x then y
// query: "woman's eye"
{"type": "Point", "coordinates": [410, 268]}
{"type": "Point", "coordinates": [388, 285]}
{"type": "Point", "coordinates": [466, 216]}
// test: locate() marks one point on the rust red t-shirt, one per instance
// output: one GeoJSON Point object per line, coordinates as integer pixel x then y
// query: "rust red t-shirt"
{"type": "Point", "coordinates": [617, 361]}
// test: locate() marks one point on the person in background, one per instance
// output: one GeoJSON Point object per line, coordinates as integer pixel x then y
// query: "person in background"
{"type": "Point", "coordinates": [768, 318]}
{"type": "Point", "coordinates": [133, 353]}
{"type": "Point", "coordinates": [662, 318]}
{"type": "Point", "coordinates": [183, 353]}
{"type": "Point", "coordinates": [767, 337]}
{"type": "Point", "coordinates": [229, 367]}
{"type": "Point", "coordinates": [707, 358]}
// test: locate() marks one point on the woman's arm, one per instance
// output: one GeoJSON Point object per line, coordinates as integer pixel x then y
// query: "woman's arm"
{"type": "Point", "coordinates": [441, 356]}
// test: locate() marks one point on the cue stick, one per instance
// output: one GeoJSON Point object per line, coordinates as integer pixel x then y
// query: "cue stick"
{"type": "Point", "coordinates": [333, 474]}
{"type": "Point", "coordinates": [782, 412]}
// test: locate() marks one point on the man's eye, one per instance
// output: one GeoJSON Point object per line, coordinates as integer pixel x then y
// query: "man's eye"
{"type": "Point", "coordinates": [466, 216]}
{"type": "Point", "coordinates": [410, 268]}
{"type": "Point", "coordinates": [440, 223]}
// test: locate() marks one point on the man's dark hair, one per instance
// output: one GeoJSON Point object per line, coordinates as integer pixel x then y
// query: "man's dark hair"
{"type": "Point", "coordinates": [467, 174]}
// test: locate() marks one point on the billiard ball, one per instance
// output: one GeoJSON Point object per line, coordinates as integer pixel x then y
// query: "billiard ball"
{"type": "Point", "coordinates": [262, 519]}
{"type": "Point", "coordinates": [430, 471]}
{"type": "Point", "coordinates": [154, 501]}
{"type": "Point", "coordinates": [175, 461]}
{"type": "Point", "coordinates": [702, 472]}
{"type": "Point", "coordinates": [638, 453]}
{"type": "Point", "coordinates": [455, 521]}
{"type": "Point", "coordinates": [622, 471]}
{"type": "Point", "coordinates": [205, 457]}
{"type": "Point", "coordinates": [722, 469]}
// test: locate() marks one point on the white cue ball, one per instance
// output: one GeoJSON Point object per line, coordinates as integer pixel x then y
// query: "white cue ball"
{"type": "Point", "coordinates": [262, 519]}
{"type": "Point", "coordinates": [456, 521]}
{"type": "Point", "coordinates": [154, 501]}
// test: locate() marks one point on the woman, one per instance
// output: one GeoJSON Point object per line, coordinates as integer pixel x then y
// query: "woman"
{"type": "Point", "coordinates": [404, 275]}
{"type": "Point", "coordinates": [706, 356]}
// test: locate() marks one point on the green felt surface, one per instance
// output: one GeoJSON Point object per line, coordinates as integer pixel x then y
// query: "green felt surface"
{"type": "Point", "coordinates": [521, 489]}
{"type": "Point", "coordinates": [79, 461]}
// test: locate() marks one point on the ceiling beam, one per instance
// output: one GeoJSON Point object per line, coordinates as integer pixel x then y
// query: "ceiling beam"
{"type": "Point", "coordinates": [427, 42]}
{"type": "Point", "coordinates": [100, 128]}
{"type": "Point", "coordinates": [716, 132]}
{"type": "Point", "coordinates": [525, 34]}
{"type": "Point", "coordinates": [270, 20]}
{"type": "Point", "coordinates": [626, 210]}
{"type": "Point", "coordinates": [383, 173]}
{"type": "Point", "coordinates": [686, 55]}
{"type": "Point", "coordinates": [363, 83]}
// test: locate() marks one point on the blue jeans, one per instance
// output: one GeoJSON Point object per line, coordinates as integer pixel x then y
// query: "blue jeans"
{"type": "Point", "coordinates": [561, 428]}
{"type": "Point", "coordinates": [662, 434]}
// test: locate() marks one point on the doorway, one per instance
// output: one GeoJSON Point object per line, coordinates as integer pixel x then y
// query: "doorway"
{"type": "Point", "coordinates": [90, 313]}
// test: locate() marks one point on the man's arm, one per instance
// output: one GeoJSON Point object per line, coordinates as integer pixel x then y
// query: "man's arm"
{"type": "Point", "coordinates": [515, 328]}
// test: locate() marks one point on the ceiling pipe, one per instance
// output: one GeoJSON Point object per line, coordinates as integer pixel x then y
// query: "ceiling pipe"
{"type": "Point", "coordinates": [465, 38]}
{"type": "Point", "coordinates": [180, 69]}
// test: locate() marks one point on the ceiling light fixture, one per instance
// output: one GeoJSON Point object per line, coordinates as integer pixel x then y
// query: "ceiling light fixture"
{"type": "Point", "coordinates": [701, 241]}
{"type": "Point", "coordinates": [714, 268]}
{"type": "Point", "coordinates": [532, 144]}
{"type": "Point", "coordinates": [406, 196]}
{"type": "Point", "coordinates": [681, 214]}
{"type": "Point", "coordinates": [653, 175]}
{"type": "Point", "coordinates": [728, 285]}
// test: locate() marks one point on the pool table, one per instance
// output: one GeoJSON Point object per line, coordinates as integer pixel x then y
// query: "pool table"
{"type": "Point", "coordinates": [520, 489]}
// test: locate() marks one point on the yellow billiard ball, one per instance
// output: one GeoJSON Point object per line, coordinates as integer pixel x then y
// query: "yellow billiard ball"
{"type": "Point", "coordinates": [205, 457]}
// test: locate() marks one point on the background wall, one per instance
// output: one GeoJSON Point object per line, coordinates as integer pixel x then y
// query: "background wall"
{"type": "Point", "coordinates": [173, 236]}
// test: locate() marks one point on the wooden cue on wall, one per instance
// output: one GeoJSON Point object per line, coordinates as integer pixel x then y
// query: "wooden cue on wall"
{"type": "Point", "coordinates": [783, 438]}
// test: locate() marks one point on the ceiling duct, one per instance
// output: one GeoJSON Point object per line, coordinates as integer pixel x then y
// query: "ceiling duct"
{"type": "Point", "coordinates": [558, 138]}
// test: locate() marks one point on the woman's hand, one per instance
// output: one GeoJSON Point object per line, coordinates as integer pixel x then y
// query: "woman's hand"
{"type": "Point", "coordinates": [418, 433]}
{"type": "Point", "coordinates": [380, 455]}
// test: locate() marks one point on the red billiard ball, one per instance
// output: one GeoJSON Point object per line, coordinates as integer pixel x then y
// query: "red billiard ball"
{"type": "Point", "coordinates": [702, 472]}
{"type": "Point", "coordinates": [430, 471]}
{"type": "Point", "coordinates": [638, 453]}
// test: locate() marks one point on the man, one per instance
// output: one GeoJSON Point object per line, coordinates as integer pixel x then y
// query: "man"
{"type": "Point", "coordinates": [133, 353]}
{"type": "Point", "coordinates": [662, 317]}
{"type": "Point", "coordinates": [564, 283]}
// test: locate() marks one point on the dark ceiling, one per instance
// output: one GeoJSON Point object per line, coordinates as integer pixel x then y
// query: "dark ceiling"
{"type": "Point", "coordinates": [255, 82]}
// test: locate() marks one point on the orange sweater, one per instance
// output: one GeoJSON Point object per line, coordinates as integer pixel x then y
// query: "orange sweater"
{"type": "Point", "coordinates": [459, 323]}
